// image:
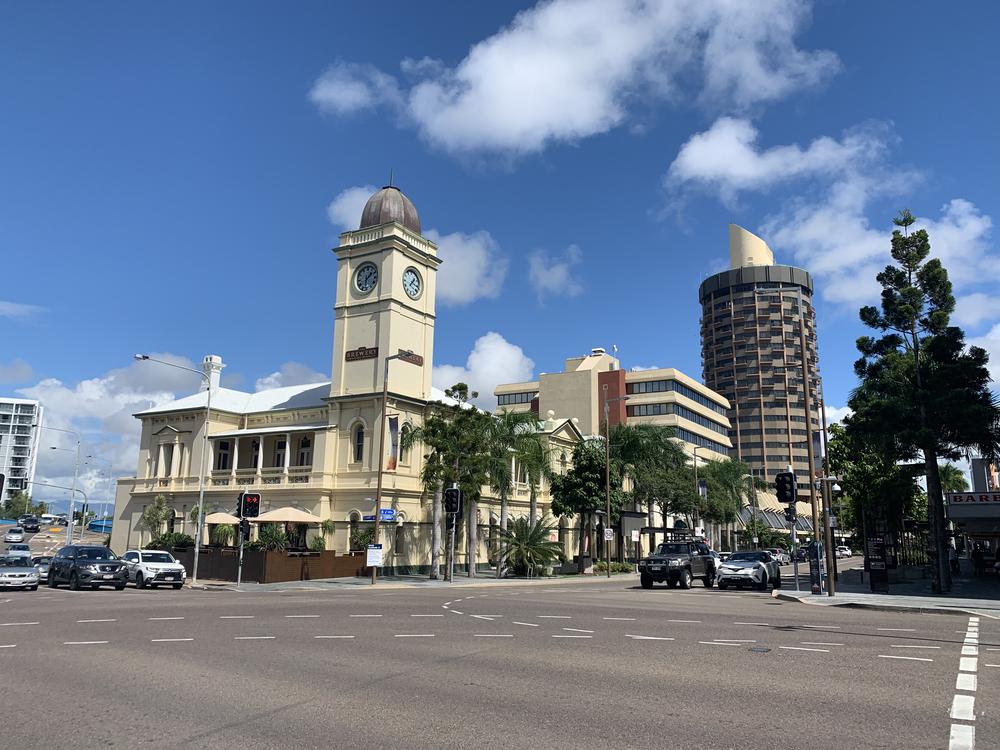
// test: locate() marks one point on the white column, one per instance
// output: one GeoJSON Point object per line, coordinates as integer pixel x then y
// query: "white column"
{"type": "Point", "coordinates": [236, 455]}
{"type": "Point", "coordinates": [260, 456]}
{"type": "Point", "coordinates": [175, 460]}
{"type": "Point", "coordinates": [160, 460]}
{"type": "Point", "coordinates": [288, 451]}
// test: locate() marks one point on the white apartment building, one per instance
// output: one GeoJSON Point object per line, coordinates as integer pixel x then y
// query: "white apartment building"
{"type": "Point", "coordinates": [20, 425]}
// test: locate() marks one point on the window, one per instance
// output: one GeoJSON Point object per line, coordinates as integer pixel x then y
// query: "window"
{"type": "Point", "coordinates": [255, 453]}
{"type": "Point", "coordinates": [222, 454]}
{"type": "Point", "coordinates": [399, 543]}
{"type": "Point", "coordinates": [404, 449]}
{"type": "Point", "coordinates": [660, 386]}
{"type": "Point", "coordinates": [306, 452]}
{"type": "Point", "coordinates": [359, 443]}
{"type": "Point", "coordinates": [506, 399]}
{"type": "Point", "coordinates": [279, 452]}
{"type": "Point", "coordinates": [650, 410]}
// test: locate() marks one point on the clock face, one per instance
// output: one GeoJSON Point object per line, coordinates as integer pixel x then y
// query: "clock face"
{"type": "Point", "coordinates": [411, 283]}
{"type": "Point", "coordinates": [366, 277]}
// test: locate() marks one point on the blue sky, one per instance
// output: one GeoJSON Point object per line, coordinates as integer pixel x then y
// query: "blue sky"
{"type": "Point", "coordinates": [174, 176]}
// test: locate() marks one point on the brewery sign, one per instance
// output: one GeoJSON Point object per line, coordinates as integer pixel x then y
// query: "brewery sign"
{"type": "Point", "coordinates": [362, 352]}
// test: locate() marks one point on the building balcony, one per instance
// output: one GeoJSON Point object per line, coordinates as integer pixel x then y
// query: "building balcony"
{"type": "Point", "coordinates": [241, 479]}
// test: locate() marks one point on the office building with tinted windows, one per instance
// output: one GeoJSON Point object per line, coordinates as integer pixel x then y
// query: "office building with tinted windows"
{"type": "Point", "coordinates": [19, 420]}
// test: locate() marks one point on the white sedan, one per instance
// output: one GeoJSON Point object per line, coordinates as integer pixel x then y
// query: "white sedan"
{"type": "Point", "coordinates": [152, 567]}
{"type": "Point", "coordinates": [751, 568]}
{"type": "Point", "coordinates": [15, 534]}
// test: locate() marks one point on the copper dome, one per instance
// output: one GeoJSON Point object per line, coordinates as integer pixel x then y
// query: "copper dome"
{"type": "Point", "coordinates": [389, 204]}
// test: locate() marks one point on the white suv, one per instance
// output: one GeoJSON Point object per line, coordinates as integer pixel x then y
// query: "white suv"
{"type": "Point", "coordinates": [151, 567]}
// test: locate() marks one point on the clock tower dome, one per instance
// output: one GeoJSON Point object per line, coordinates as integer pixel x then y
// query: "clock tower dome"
{"type": "Point", "coordinates": [385, 300]}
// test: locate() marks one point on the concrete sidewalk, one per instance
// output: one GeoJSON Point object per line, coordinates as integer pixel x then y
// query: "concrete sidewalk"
{"type": "Point", "coordinates": [407, 582]}
{"type": "Point", "coordinates": [898, 602]}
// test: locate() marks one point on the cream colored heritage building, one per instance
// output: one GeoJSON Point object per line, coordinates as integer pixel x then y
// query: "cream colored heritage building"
{"type": "Point", "coordinates": [316, 447]}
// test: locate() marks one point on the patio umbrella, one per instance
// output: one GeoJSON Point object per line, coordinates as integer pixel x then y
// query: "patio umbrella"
{"type": "Point", "coordinates": [221, 518]}
{"type": "Point", "coordinates": [287, 515]}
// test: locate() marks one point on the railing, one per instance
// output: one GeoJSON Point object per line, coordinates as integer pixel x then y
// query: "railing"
{"type": "Point", "coordinates": [270, 478]}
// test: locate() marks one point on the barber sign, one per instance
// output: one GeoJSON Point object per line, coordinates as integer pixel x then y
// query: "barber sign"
{"type": "Point", "coordinates": [972, 498]}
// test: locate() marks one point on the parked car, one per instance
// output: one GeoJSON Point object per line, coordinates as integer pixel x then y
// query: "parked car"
{"type": "Point", "coordinates": [18, 550]}
{"type": "Point", "coordinates": [80, 565]}
{"type": "Point", "coordinates": [30, 525]}
{"type": "Point", "coordinates": [755, 568]}
{"type": "Point", "coordinates": [14, 534]}
{"type": "Point", "coordinates": [17, 572]}
{"type": "Point", "coordinates": [844, 551]}
{"type": "Point", "coordinates": [149, 567]}
{"type": "Point", "coordinates": [41, 564]}
{"type": "Point", "coordinates": [678, 563]}
{"type": "Point", "coordinates": [780, 556]}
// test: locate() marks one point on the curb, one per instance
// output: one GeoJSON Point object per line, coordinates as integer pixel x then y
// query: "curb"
{"type": "Point", "coordinates": [939, 610]}
{"type": "Point", "coordinates": [443, 586]}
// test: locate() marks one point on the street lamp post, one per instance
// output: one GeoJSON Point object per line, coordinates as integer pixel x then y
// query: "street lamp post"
{"type": "Point", "coordinates": [69, 526]}
{"type": "Point", "coordinates": [406, 356]}
{"type": "Point", "coordinates": [607, 472]}
{"type": "Point", "coordinates": [76, 472]}
{"type": "Point", "coordinates": [828, 486]}
{"type": "Point", "coordinates": [104, 505]}
{"type": "Point", "coordinates": [204, 454]}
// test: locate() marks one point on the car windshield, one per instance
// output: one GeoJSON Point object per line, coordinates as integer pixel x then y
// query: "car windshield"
{"type": "Point", "coordinates": [19, 547]}
{"type": "Point", "coordinates": [44, 560]}
{"type": "Point", "coordinates": [15, 530]}
{"type": "Point", "coordinates": [747, 556]}
{"type": "Point", "coordinates": [95, 553]}
{"type": "Point", "coordinates": [672, 549]}
{"type": "Point", "coordinates": [12, 562]}
{"type": "Point", "coordinates": [157, 557]}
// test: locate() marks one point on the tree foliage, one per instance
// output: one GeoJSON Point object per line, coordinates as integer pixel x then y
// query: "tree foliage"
{"type": "Point", "coordinates": [526, 546]}
{"type": "Point", "coordinates": [154, 515]}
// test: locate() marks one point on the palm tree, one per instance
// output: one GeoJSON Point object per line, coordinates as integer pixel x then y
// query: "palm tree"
{"type": "Point", "coordinates": [535, 456]}
{"type": "Point", "coordinates": [727, 488]}
{"type": "Point", "coordinates": [952, 478]}
{"type": "Point", "coordinates": [434, 434]}
{"type": "Point", "coordinates": [526, 545]}
{"type": "Point", "coordinates": [506, 432]}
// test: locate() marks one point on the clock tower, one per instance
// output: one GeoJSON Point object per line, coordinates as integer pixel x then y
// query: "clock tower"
{"type": "Point", "coordinates": [385, 301]}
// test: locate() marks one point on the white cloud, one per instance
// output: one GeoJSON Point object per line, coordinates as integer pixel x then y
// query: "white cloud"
{"type": "Point", "coordinates": [973, 309]}
{"type": "Point", "coordinates": [726, 158]}
{"type": "Point", "coordinates": [290, 373]}
{"type": "Point", "coordinates": [960, 238]}
{"type": "Point", "coordinates": [345, 210]}
{"type": "Point", "coordinates": [553, 276]}
{"type": "Point", "coordinates": [473, 265]}
{"type": "Point", "coordinates": [18, 310]}
{"type": "Point", "coordinates": [493, 361]}
{"type": "Point", "coordinates": [836, 414]}
{"type": "Point", "coordinates": [643, 368]}
{"type": "Point", "coordinates": [990, 341]}
{"type": "Point", "coordinates": [347, 88]}
{"type": "Point", "coordinates": [568, 69]}
{"type": "Point", "coordinates": [17, 371]}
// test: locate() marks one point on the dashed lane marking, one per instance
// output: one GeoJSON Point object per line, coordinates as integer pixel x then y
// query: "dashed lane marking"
{"type": "Point", "coordinates": [963, 737]}
{"type": "Point", "coordinates": [169, 640]}
{"type": "Point", "coordinates": [450, 610]}
{"type": "Point", "coordinates": [15, 624]}
{"type": "Point", "coordinates": [894, 645]}
{"type": "Point", "coordinates": [236, 617]}
{"type": "Point", "coordinates": [966, 682]}
{"type": "Point", "coordinates": [112, 620]}
{"type": "Point", "coordinates": [300, 617]}
{"type": "Point", "coordinates": [905, 658]}
{"type": "Point", "coordinates": [253, 638]}
{"type": "Point", "coordinates": [572, 636]}
{"type": "Point", "coordinates": [803, 648]}
{"type": "Point", "coordinates": [821, 627]}
{"type": "Point", "coordinates": [492, 635]}
{"type": "Point", "coordinates": [968, 664]}
{"type": "Point", "coordinates": [963, 708]}
{"type": "Point", "coordinates": [717, 643]}
{"type": "Point", "coordinates": [578, 630]}
{"type": "Point", "coordinates": [164, 618]}
{"type": "Point", "coordinates": [898, 630]}
{"type": "Point", "coordinates": [970, 651]}
{"type": "Point", "coordinates": [333, 636]}
{"type": "Point", "coordinates": [819, 643]}
{"type": "Point", "coordinates": [528, 624]}
{"type": "Point", "coordinates": [648, 637]}
{"type": "Point", "coordinates": [9, 645]}
{"type": "Point", "coordinates": [426, 615]}
{"type": "Point", "coordinates": [765, 624]}
{"type": "Point", "coordinates": [623, 619]}
{"type": "Point", "coordinates": [364, 615]}
{"type": "Point", "coordinates": [554, 617]}
{"type": "Point", "coordinates": [414, 635]}
{"type": "Point", "coordinates": [694, 621]}
{"type": "Point", "coordinates": [83, 643]}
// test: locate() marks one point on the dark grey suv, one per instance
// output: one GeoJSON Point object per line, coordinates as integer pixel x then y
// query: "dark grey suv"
{"type": "Point", "coordinates": [80, 565]}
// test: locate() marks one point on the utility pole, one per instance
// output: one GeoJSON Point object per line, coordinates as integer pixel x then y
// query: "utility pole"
{"type": "Point", "coordinates": [807, 398]}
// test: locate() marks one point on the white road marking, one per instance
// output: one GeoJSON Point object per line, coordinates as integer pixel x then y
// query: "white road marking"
{"type": "Point", "coordinates": [966, 682]}
{"type": "Point", "coordinates": [492, 635]}
{"type": "Point", "coordinates": [648, 637]}
{"type": "Point", "coordinates": [766, 624]}
{"type": "Point", "coordinates": [299, 617]}
{"type": "Point", "coordinates": [963, 707]}
{"type": "Point", "coordinates": [623, 619]}
{"type": "Point", "coordinates": [426, 615]}
{"type": "Point", "coordinates": [898, 630]}
{"type": "Point", "coordinates": [970, 651]}
{"type": "Point", "coordinates": [578, 630]}
{"type": "Point", "coordinates": [906, 658]}
{"type": "Point", "coordinates": [236, 617]}
{"type": "Point", "coordinates": [572, 636]}
{"type": "Point", "coordinates": [554, 617]}
{"type": "Point", "coordinates": [697, 621]}
{"type": "Point", "coordinates": [97, 621]}
{"type": "Point", "coordinates": [529, 624]}
{"type": "Point", "coordinates": [450, 610]}
{"type": "Point", "coordinates": [253, 638]}
{"type": "Point", "coordinates": [968, 664]}
{"type": "Point", "coordinates": [15, 624]}
{"type": "Point", "coordinates": [169, 640]}
{"type": "Point", "coordinates": [164, 618]}
{"type": "Point", "coordinates": [822, 627]}
{"type": "Point", "coordinates": [9, 645]}
{"type": "Point", "coordinates": [414, 635]}
{"type": "Point", "coordinates": [963, 737]}
{"type": "Point", "coordinates": [819, 643]}
{"type": "Point", "coordinates": [83, 643]}
{"type": "Point", "coordinates": [733, 640]}
{"type": "Point", "coordinates": [717, 643]}
{"type": "Point", "coordinates": [364, 615]}
{"type": "Point", "coordinates": [491, 618]}
{"type": "Point", "coordinates": [801, 648]}
{"type": "Point", "coordinates": [333, 636]}
{"type": "Point", "coordinates": [898, 646]}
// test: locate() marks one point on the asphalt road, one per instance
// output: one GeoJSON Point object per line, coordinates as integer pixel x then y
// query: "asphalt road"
{"type": "Point", "coordinates": [595, 664]}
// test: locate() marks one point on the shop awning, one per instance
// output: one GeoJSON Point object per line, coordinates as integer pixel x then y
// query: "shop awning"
{"type": "Point", "coordinates": [221, 518]}
{"type": "Point", "coordinates": [287, 515]}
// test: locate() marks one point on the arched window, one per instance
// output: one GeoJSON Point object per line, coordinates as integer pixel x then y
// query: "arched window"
{"type": "Point", "coordinates": [404, 449]}
{"type": "Point", "coordinates": [358, 443]}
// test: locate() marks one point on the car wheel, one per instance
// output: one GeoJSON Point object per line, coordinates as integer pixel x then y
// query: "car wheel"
{"type": "Point", "coordinates": [119, 587]}
{"type": "Point", "coordinates": [723, 586]}
{"type": "Point", "coordinates": [52, 581]}
{"type": "Point", "coordinates": [645, 581]}
{"type": "Point", "coordinates": [74, 582]}
{"type": "Point", "coordinates": [762, 586]}
{"type": "Point", "coordinates": [709, 581]}
{"type": "Point", "coordinates": [777, 582]}
{"type": "Point", "coordinates": [177, 586]}
{"type": "Point", "coordinates": [685, 580]}
{"type": "Point", "coordinates": [140, 582]}
{"type": "Point", "coordinates": [33, 588]}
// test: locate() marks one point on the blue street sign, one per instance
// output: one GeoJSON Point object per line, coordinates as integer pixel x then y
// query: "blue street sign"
{"type": "Point", "coordinates": [387, 514]}
{"type": "Point", "coordinates": [368, 518]}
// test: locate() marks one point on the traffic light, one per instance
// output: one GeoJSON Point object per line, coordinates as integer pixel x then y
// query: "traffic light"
{"type": "Point", "coordinates": [453, 500]}
{"type": "Point", "coordinates": [791, 513]}
{"type": "Point", "coordinates": [249, 504]}
{"type": "Point", "coordinates": [244, 530]}
{"type": "Point", "coordinates": [784, 482]}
